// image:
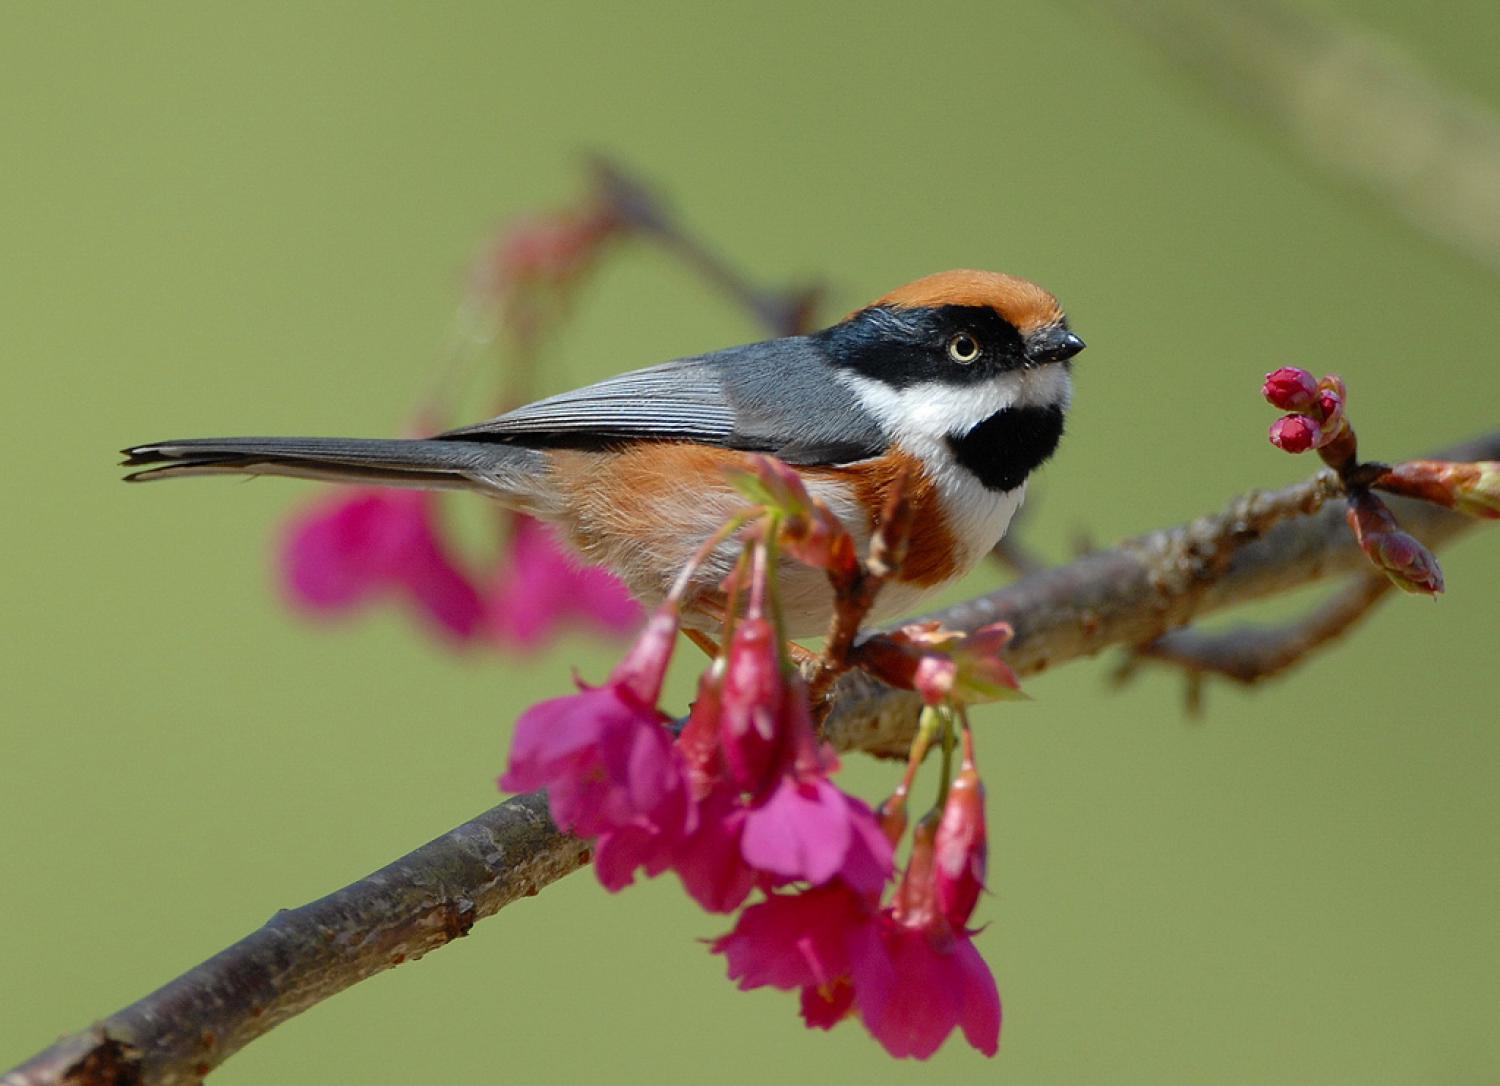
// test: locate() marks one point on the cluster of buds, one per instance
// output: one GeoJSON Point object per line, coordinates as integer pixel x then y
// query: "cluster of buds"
{"type": "Point", "coordinates": [742, 801]}
{"type": "Point", "coordinates": [1317, 419]}
{"type": "Point", "coordinates": [1319, 422]}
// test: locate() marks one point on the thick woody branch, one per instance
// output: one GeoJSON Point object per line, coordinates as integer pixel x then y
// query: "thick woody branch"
{"type": "Point", "coordinates": [1262, 545]}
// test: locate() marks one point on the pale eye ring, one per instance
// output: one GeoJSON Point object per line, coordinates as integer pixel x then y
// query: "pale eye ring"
{"type": "Point", "coordinates": [963, 348]}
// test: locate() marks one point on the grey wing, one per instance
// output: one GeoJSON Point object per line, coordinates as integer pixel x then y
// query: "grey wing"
{"type": "Point", "coordinates": [682, 400]}
{"type": "Point", "coordinates": [777, 397]}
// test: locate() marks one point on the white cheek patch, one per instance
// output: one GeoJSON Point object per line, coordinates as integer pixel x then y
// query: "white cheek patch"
{"type": "Point", "coordinates": [922, 415]}
{"type": "Point", "coordinates": [921, 418]}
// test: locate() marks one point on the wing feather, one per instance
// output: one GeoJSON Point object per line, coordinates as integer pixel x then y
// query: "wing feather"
{"type": "Point", "coordinates": [684, 399]}
{"type": "Point", "coordinates": [779, 397]}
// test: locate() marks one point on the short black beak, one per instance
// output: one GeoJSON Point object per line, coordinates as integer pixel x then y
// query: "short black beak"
{"type": "Point", "coordinates": [1053, 345]}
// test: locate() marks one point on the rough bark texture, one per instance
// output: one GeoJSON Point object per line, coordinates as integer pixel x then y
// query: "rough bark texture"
{"type": "Point", "coordinates": [1263, 544]}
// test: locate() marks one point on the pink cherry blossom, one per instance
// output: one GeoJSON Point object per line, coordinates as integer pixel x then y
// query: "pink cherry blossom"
{"type": "Point", "coordinates": [914, 985]}
{"type": "Point", "coordinates": [353, 547]}
{"type": "Point", "coordinates": [540, 589]}
{"type": "Point", "coordinates": [608, 762]}
{"type": "Point", "coordinates": [798, 940]}
{"type": "Point", "coordinates": [708, 857]}
{"type": "Point", "coordinates": [810, 830]}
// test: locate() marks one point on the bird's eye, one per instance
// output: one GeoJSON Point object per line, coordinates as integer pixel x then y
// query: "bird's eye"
{"type": "Point", "coordinates": [963, 348]}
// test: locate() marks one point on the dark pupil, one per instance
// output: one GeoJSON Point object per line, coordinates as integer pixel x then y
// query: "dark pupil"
{"type": "Point", "coordinates": [964, 346]}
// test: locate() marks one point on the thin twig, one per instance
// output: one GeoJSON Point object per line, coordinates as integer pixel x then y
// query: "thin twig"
{"type": "Point", "coordinates": [1124, 596]}
{"type": "Point", "coordinates": [1251, 654]}
{"type": "Point", "coordinates": [783, 313]}
{"type": "Point", "coordinates": [1348, 99]}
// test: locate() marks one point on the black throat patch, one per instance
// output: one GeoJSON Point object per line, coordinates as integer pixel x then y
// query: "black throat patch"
{"type": "Point", "coordinates": [1004, 448]}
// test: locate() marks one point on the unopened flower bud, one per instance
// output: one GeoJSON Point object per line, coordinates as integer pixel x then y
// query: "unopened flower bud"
{"type": "Point", "coordinates": [1399, 555]}
{"type": "Point", "coordinates": [1477, 493]}
{"type": "Point", "coordinates": [751, 703]}
{"type": "Point", "coordinates": [916, 904]}
{"type": "Point", "coordinates": [645, 666]}
{"type": "Point", "coordinates": [1330, 407]}
{"type": "Point", "coordinates": [961, 851]}
{"type": "Point", "coordinates": [1290, 388]}
{"type": "Point", "coordinates": [1295, 433]}
{"type": "Point", "coordinates": [891, 814]}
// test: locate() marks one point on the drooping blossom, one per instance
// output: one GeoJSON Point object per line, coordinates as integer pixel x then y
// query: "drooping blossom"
{"type": "Point", "coordinates": [805, 828]}
{"type": "Point", "coordinates": [922, 977]}
{"type": "Point", "coordinates": [608, 763]}
{"type": "Point", "coordinates": [961, 847]}
{"type": "Point", "coordinates": [540, 589]}
{"type": "Point", "coordinates": [353, 547]}
{"type": "Point", "coordinates": [908, 973]}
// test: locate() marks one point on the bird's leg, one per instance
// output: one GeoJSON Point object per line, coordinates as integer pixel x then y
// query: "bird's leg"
{"type": "Point", "coordinates": [703, 641]}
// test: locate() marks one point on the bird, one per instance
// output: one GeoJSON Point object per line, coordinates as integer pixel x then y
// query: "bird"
{"type": "Point", "coordinates": [957, 384]}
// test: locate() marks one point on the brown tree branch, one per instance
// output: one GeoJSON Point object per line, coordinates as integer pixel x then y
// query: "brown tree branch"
{"type": "Point", "coordinates": [1251, 654]}
{"type": "Point", "coordinates": [1262, 545]}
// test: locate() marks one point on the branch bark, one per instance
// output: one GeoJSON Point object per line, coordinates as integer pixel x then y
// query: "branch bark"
{"type": "Point", "coordinates": [1261, 545]}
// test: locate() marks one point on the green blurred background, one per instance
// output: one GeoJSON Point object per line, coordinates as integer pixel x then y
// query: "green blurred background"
{"type": "Point", "coordinates": [253, 218]}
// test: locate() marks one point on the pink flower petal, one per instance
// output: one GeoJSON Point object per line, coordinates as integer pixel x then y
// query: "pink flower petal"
{"type": "Point", "coordinates": [826, 1006]}
{"type": "Point", "coordinates": [979, 1013]}
{"type": "Point", "coordinates": [346, 550]}
{"type": "Point", "coordinates": [794, 940]}
{"type": "Point", "coordinates": [800, 832]}
{"type": "Point", "coordinates": [541, 588]}
{"type": "Point", "coordinates": [708, 858]}
{"type": "Point", "coordinates": [918, 1012]}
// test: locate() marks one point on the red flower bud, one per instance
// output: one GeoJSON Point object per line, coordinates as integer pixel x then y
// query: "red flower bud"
{"type": "Point", "coordinates": [1295, 433]}
{"type": "Point", "coordinates": [961, 849]}
{"type": "Point", "coordinates": [891, 814]}
{"type": "Point", "coordinates": [751, 704]}
{"type": "Point", "coordinates": [1330, 408]}
{"type": "Point", "coordinates": [1290, 388]}
{"type": "Point", "coordinates": [915, 905]}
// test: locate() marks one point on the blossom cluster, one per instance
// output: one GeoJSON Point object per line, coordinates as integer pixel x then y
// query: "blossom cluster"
{"type": "Point", "coordinates": [741, 804]}
{"type": "Point", "coordinates": [362, 545]}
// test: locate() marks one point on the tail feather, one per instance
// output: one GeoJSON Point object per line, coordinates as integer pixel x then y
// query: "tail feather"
{"type": "Point", "coordinates": [509, 472]}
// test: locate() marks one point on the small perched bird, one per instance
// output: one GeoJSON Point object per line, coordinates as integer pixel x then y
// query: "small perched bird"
{"type": "Point", "coordinates": [958, 381]}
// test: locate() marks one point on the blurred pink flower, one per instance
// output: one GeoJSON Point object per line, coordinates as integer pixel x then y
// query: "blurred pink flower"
{"type": "Point", "coordinates": [355, 546]}
{"type": "Point", "coordinates": [540, 589]}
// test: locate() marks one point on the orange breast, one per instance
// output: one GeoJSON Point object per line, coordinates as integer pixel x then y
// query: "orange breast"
{"type": "Point", "coordinates": [644, 509]}
{"type": "Point", "coordinates": [931, 557]}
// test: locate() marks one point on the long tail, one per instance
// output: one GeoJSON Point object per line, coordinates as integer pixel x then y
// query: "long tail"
{"type": "Point", "coordinates": [509, 472]}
